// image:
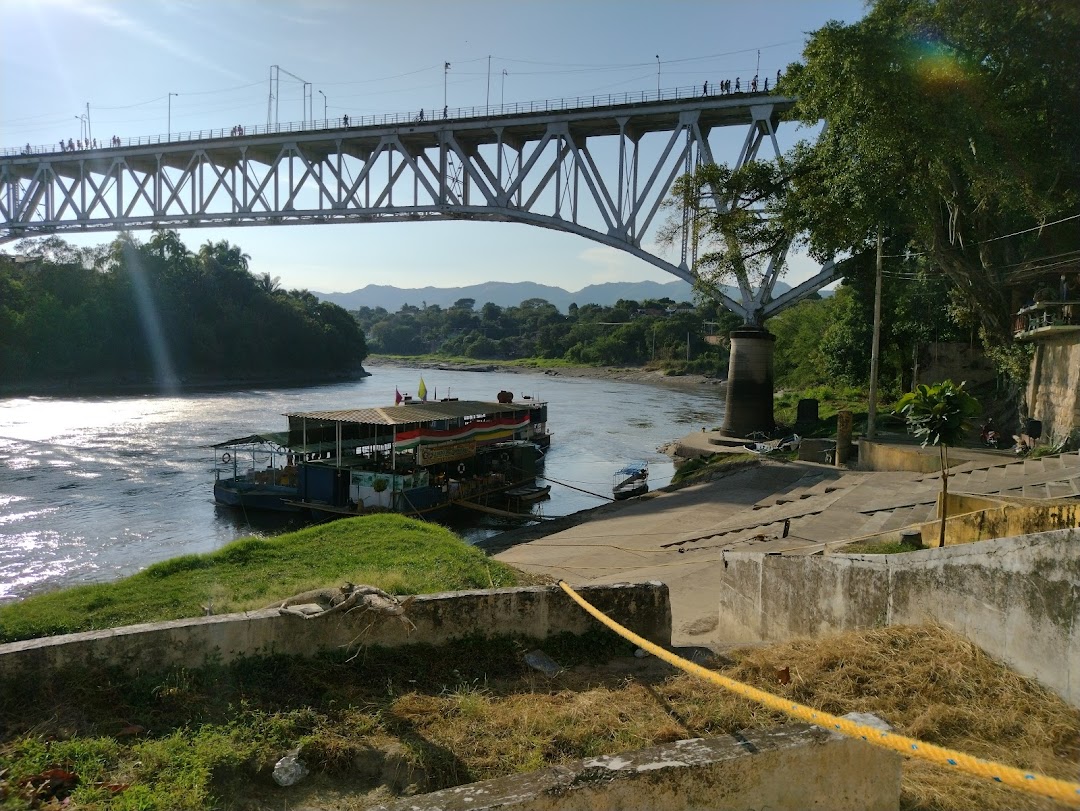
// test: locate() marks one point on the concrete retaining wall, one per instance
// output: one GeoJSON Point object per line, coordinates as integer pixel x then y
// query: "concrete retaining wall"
{"type": "Point", "coordinates": [981, 518]}
{"type": "Point", "coordinates": [1053, 392]}
{"type": "Point", "coordinates": [916, 458]}
{"type": "Point", "coordinates": [1016, 598]}
{"type": "Point", "coordinates": [536, 612]}
{"type": "Point", "coordinates": [783, 769]}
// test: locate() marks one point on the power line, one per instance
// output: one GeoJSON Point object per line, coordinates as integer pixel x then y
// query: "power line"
{"type": "Point", "coordinates": [993, 239]}
{"type": "Point", "coordinates": [1028, 230]}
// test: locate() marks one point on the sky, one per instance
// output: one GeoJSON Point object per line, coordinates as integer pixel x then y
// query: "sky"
{"type": "Point", "coordinates": [126, 59]}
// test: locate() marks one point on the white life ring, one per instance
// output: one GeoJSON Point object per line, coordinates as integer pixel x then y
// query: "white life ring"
{"type": "Point", "coordinates": [461, 468]}
{"type": "Point", "coordinates": [226, 457]}
{"type": "Point", "coordinates": [505, 457]}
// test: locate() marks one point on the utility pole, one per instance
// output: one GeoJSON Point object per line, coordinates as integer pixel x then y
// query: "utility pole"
{"type": "Point", "coordinates": [323, 107]}
{"type": "Point", "coordinates": [445, 71]}
{"type": "Point", "coordinates": [502, 94]}
{"type": "Point", "coordinates": [871, 416]}
{"type": "Point", "coordinates": [487, 98]}
{"type": "Point", "coordinates": [658, 77]}
{"type": "Point", "coordinates": [170, 114]}
{"type": "Point", "coordinates": [89, 134]}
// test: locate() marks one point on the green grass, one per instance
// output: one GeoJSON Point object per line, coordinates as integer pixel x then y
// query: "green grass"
{"type": "Point", "coordinates": [399, 555]}
{"type": "Point", "coordinates": [830, 401]}
{"type": "Point", "coordinates": [702, 469]}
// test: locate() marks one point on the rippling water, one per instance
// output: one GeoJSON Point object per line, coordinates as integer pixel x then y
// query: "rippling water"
{"type": "Point", "coordinates": [99, 487]}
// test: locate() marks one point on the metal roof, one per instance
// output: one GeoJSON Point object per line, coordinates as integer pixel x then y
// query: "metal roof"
{"type": "Point", "coordinates": [280, 438]}
{"type": "Point", "coordinates": [409, 413]}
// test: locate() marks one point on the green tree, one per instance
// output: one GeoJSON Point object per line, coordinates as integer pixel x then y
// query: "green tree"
{"type": "Point", "coordinates": [951, 124]}
{"type": "Point", "coordinates": [940, 414]}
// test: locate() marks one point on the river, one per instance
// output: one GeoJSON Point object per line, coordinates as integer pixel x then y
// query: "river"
{"type": "Point", "coordinates": [94, 488]}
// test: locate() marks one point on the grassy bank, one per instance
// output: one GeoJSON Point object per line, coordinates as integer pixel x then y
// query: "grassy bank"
{"type": "Point", "coordinates": [399, 555]}
{"type": "Point", "coordinates": [417, 719]}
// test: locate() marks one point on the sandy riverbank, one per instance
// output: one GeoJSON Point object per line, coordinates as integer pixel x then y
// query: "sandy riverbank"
{"type": "Point", "coordinates": [645, 376]}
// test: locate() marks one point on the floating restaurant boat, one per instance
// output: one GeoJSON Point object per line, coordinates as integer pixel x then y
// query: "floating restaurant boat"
{"type": "Point", "coordinates": [416, 459]}
{"type": "Point", "coordinates": [630, 481]}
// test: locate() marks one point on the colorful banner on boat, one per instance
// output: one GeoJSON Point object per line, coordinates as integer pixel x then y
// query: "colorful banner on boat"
{"type": "Point", "coordinates": [445, 452]}
{"type": "Point", "coordinates": [482, 432]}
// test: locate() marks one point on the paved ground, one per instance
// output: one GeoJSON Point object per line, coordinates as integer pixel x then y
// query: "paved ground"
{"type": "Point", "coordinates": [791, 507]}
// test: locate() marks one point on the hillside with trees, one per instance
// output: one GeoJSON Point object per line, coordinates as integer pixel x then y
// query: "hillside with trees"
{"type": "Point", "coordinates": [629, 333]}
{"type": "Point", "coordinates": [156, 315]}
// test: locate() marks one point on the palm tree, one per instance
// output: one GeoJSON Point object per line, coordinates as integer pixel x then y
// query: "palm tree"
{"type": "Point", "coordinates": [940, 414]}
{"type": "Point", "coordinates": [268, 284]}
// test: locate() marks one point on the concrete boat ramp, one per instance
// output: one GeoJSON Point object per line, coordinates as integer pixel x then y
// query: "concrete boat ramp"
{"type": "Point", "coordinates": [680, 535]}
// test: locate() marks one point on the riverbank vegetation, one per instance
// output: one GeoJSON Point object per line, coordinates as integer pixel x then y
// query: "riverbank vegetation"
{"type": "Point", "coordinates": [664, 333]}
{"type": "Point", "coordinates": [131, 313]}
{"type": "Point", "coordinates": [399, 555]}
{"type": "Point", "coordinates": [416, 719]}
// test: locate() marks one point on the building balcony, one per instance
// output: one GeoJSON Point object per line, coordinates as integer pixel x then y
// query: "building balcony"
{"type": "Point", "coordinates": [1046, 319]}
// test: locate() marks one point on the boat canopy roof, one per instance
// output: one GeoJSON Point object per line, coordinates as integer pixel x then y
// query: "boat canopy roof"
{"type": "Point", "coordinates": [632, 468]}
{"type": "Point", "coordinates": [411, 413]}
{"type": "Point", "coordinates": [279, 438]}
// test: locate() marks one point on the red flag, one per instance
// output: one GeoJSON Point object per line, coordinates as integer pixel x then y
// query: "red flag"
{"type": "Point", "coordinates": [397, 396]}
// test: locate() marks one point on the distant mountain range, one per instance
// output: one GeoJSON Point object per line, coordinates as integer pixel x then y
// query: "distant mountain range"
{"type": "Point", "coordinates": [511, 294]}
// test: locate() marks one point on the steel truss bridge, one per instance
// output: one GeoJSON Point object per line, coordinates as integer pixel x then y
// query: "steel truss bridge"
{"type": "Point", "coordinates": [580, 169]}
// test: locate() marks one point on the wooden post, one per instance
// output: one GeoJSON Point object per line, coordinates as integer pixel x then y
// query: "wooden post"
{"type": "Point", "coordinates": [843, 437]}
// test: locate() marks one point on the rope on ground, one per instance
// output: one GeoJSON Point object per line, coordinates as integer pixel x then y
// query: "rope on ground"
{"type": "Point", "coordinates": [1034, 783]}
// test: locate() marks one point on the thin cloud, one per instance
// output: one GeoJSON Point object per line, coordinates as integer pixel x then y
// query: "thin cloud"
{"type": "Point", "coordinates": [112, 16]}
{"type": "Point", "coordinates": [613, 265]}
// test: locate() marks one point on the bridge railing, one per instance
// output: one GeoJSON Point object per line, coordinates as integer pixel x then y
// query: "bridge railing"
{"type": "Point", "coordinates": [425, 116]}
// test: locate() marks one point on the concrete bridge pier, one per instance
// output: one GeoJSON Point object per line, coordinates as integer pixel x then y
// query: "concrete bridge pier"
{"type": "Point", "coordinates": [750, 382]}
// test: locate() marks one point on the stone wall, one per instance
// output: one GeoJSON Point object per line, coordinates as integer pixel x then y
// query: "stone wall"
{"type": "Point", "coordinates": [955, 360]}
{"type": "Point", "coordinates": [1053, 393]}
{"type": "Point", "coordinates": [1016, 598]}
{"type": "Point", "coordinates": [536, 612]}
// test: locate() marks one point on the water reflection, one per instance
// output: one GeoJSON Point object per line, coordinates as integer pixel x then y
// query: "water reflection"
{"type": "Point", "coordinates": [92, 488]}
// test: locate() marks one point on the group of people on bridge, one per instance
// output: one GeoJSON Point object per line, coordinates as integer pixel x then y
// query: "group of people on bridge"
{"type": "Point", "coordinates": [726, 86]}
{"type": "Point", "coordinates": [78, 145]}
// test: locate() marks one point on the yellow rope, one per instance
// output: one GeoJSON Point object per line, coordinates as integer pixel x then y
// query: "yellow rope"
{"type": "Point", "coordinates": [1060, 790]}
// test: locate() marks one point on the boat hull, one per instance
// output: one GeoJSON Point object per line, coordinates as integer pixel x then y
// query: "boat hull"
{"type": "Point", "coordinates": [233, 493]}
{"type": "Point", "coordinates": [620, 493]}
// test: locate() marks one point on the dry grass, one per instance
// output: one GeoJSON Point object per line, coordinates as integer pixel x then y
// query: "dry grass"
{"type": "Point", "coordinates": [926, 682]}
{"type": "Point", "coordinates": [411, 720]}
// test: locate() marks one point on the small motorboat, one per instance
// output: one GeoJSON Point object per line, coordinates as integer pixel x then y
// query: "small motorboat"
{"type": "Point", "coordinates": [630, 481]}
{"type": "Point", "coordinates": [522, 498]}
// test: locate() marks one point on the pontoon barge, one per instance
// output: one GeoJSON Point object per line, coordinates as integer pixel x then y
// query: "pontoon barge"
{"type": "Point", "coordinates": [415, 459]}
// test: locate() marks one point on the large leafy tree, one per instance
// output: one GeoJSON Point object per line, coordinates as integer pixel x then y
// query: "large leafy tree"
{"type": "Point", "coordinates": [952, 125]}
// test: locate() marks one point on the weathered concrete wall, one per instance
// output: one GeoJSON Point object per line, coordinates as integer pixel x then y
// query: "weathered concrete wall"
{"type": "Point", "coordinates": [536, 612]}
{"type": "Point", "coordinates": [1053, 393]}
{"type": "Point", "coordinates": [981, 518]}
{"type": "Point", "coordinates": [1016, 598]}
{"type": "Point", "coordinates": [881, 456]}
{"type": "Point", "coordinates": [790, 767]}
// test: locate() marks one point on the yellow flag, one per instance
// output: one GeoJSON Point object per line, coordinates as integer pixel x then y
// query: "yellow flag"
{"type": "Point", "coordinates": [422, 391]}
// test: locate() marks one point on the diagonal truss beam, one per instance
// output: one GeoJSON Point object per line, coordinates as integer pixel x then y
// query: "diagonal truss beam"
{"type": "Point", "coordinates": [600, 173]}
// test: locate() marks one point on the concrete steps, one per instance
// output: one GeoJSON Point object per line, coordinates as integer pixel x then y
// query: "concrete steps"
{"type": "Point", "coordinates": [825, 506]}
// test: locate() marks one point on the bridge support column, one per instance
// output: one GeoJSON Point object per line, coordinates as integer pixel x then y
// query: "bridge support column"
{"type": "Point", "coordinates": [750, 382]}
